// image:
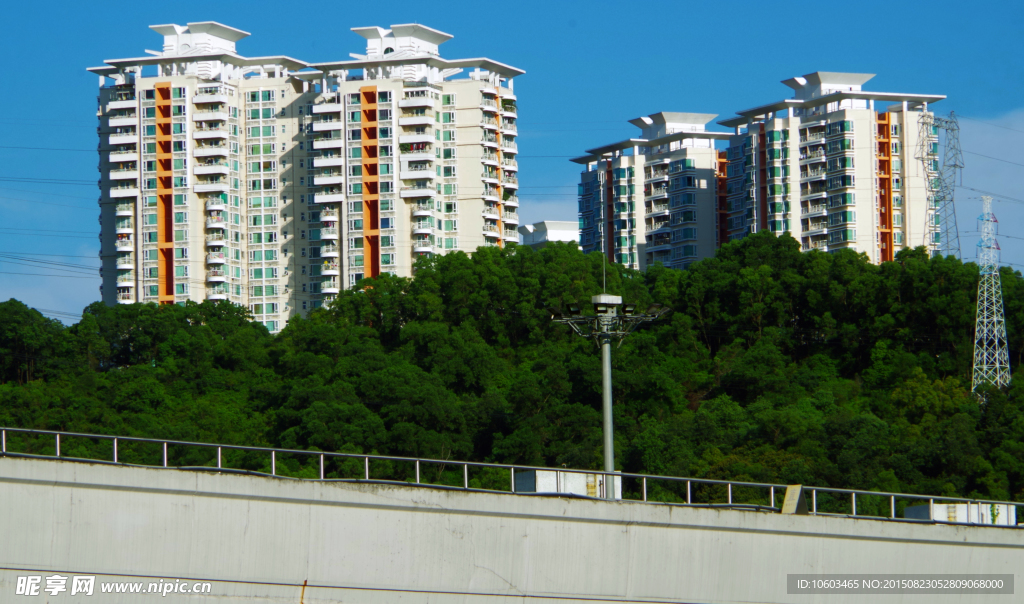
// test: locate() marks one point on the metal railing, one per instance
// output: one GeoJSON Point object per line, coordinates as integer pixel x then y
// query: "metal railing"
{"type": "Point", "coordinates": [646, 488]}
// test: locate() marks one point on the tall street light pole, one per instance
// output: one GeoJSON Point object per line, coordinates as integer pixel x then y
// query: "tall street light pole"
{"type": "Point", "coordinates": [605, 325]}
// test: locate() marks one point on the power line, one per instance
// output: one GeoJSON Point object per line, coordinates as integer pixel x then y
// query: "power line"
{"type": "Point", "coordinates": [48, 149]}
{"type": "Point", "coordinates": [991, 124]}
{"type": "Point", "coordinates": [1001, 196]}
{"type": "Point", "coordinates": [1006, 161]}
{"type": "Point", "coordinates": [43, 275]}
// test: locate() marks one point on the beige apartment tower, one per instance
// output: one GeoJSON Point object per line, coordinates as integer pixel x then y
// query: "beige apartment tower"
{"type": "Point", "coordinates": [275, 183]}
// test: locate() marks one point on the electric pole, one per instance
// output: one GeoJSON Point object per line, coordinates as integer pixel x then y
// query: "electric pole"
{"type": "Point", "coordinates": [991, 358]}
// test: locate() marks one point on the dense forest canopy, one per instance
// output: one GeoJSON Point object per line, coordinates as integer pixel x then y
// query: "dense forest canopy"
{"type": "Point", "coordinates": [776, 365]}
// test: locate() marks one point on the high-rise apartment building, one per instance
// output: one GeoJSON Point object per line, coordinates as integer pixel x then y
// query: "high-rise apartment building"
{"type": "Point", "coordinates": [275, 183]}
{"type": "Point", "coordinates": [655, 198]}
{"type": "Point", "coordinates": [835, 167]}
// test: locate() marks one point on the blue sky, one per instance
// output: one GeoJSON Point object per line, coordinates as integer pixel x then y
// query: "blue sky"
{"type": "Point", "coordinates": [590, 67]}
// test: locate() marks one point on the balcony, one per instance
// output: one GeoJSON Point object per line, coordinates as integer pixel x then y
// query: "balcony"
{"type": "Point", "coordinates": [211, 151]}
{"type": "Point", "coordinates": [329, 251]}
{"type": "Point", "coordinates": [508, 235]}
{"type": "Point", "coordinates": [125, 262]}
{"type": "Point", "coordinates": [328, 215]}
{"type": "Point", "coordinates": [216, 239]}
{"type": "Point", "coordinates": [490, 194]}
{"type": "Point", "coordinates": [124, 227]}
{"type": "Point", "coordinates": [132, 190]}
{"type": "Point", "coordinates": [209, 133]}
{"type": "Point", "coordinates": [335, 196]}
{"type": "Point", "coordinates": [489, 176]}
{"type": "Point", "coordinates": [125, 297]}
{"type": "Point", "coordinates": [328, 125]}
{"type": "Point", "coordinates": [812, 138]}
{"type": "Point", "coordinates": [211, 94]}
{"type": "Point", "coordinates": [813, 210]}
{"type": "Point", "coordinates": [417, 174]}
{"type": "Point", "coordinates": [124, 209]}
{"type": "Point", "coordinates": [509, 147]}
{"type": "Point", "coordinates": [510, 182]}
{"type": "Point", "coordinates": [490, 230]}
{"type": "Point", "coordinates": [425, 227]}
{"type": "Point", "coordinates": [121, 120]}
{"type": "Point", "coordinates": [216, 204]}
{"type": "Point", "coordinates": [812, 175]}
{"type": "Point", "coordinates": [328, 108]}
{"type": "Point", "coordinates": [329, 143]}
{"type": "Point", "coordinates": [330, 269]}
{"type": "Point", "coordinates": [422, 209]}
{"type": "Point", "coordinates": [330, 286]}
{"type": "Point", "coordinates": [418, 137]}
{"type": "Point", "coordinates": [414, 156]}
{"type": "Point", "coordinates": [510, 217]}
{"type": "Point", "coordinates": [211, 186]}
{"type": "Point", "coordinates": [124, 243]}
{"type": "Point", "coordinates": [491, 212]}
{"type": "Point", "coordinates": [122, 104]}
{"type": "Point", "coordinates": [123, 138]}
{"type": "Point", "coordinates": [509, 165]}
{"type": "Point", "coordinates": [217, 294]}
{"type": "Point", "coordinates": [216, 258]}
{"type": "Point", "coordinates": [328, 162]}
{"type": "Point", "coordinates": [209, 116]}
{"type": "Point", "coordinates": [124, 174]}
{"type": "Point", "coordinates": [489, 158]}
{"type": "Point", "coordinates": [329, 233]}
{"type": "Point", "coordinates": [420, 101]}
{"type": "Point", "coordinates": [488, 105]}
{"type": "Point", "coordinates": [217, 222]}
{"type": "Point", "coordinates": [212, 168]}
{"type": "Point", "coordinates": [416, 120]}
{"type": "Point", "coordinates": [489, 141]}
{"type": "Point", "coordinates": [508, 127]}
{"type": "Point", "coordinates": [810, 158]}
{"type": "Point", "coordinates": [409, 192]}
{"type": "Point", "coordinates": [330, 179]}
{"type": "Point", "coordinates": [216, 275]}
{"type": "Point", "coordinates": [422, 247]}
{"type": "Point", "coordinates": [123, 156]}
{"type": "Point", "coordinates": [511, 202]}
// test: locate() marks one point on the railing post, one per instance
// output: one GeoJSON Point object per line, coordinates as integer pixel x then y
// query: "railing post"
{"type": "Point", "coordinates": [465, 475]}
{"type": "Point", "coordinates": [814, 501]}
{"type": "Point", "coordinates": [853, 503]}
{"type": "Point", "coordinates": [58, 444]}
{"type": "Point", "coordinates": [729, 487]}
{"type": "Point", "coordinates": [273, 463]}
{"type": "Point", "coordinates": [892, 506]}
{"type": "Point", "coordinates": [321, 466]}
{"type": "Point", "coordinates": [771, 497]}
{"type": "Point", "coordinates": [115, 450]}
{"type": "Point", "coordinates": [931, 513]}
{"type": "Point", "coordinates": [417, 471]}
{"type": "Point", "coordinates": [688, 492]}
{"type": "Point", "coordinates": [165, 455]}
{"type": "Point", "coordinates": [366, 467]}
{"type": "Point", "coordinates": [218, 458]}
{"type": "Point", "coordinates": [512, 473]}
{"type": "Point", "coordinates": [3, 444]}
{"type": "Point", "coordinates": [645, 488]}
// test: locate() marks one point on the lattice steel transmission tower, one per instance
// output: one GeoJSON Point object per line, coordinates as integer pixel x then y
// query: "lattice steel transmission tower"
{"type": "Point", "coordinates": [941, 234]}
{"type": "Point", "coordinates": [991, 359]}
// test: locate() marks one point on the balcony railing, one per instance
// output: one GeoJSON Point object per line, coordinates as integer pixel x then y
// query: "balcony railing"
{"type": "Point", "coordinates": [813, 209]}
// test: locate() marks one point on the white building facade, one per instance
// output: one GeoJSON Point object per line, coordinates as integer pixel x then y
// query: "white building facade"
{"type": "Point", "coordinates": [837, 167]}
{"type": "Point", "coordinates": [275, 183]}
{"type": "Point", "coordinates": [655, 198]}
